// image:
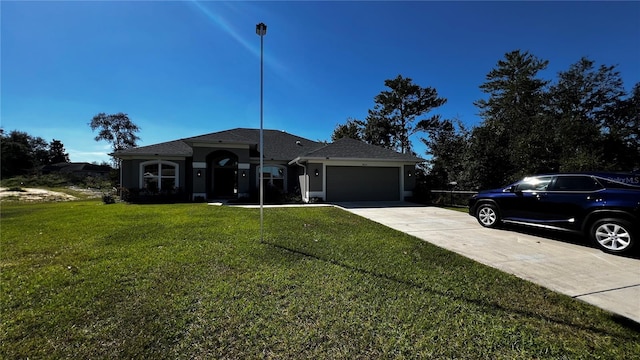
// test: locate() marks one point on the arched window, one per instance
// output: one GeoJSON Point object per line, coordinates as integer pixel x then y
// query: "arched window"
{"type": "Point", "coordinates": [157, 175]}
{"type": "Point", "coordinates": [274, 176]}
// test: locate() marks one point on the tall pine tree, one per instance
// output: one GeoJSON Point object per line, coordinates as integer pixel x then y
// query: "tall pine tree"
{"type": "Point", "coordinates": [509, 138]}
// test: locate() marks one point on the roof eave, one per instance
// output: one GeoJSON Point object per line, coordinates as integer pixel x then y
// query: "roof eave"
{"type": "Point", "coordinates": [151, 156]}
{"type": "Point", "coordinates": [194, 142]}
{"type": "Point", "coordinates": [322, 158]}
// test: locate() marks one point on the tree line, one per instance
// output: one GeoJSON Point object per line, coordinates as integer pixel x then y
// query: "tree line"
{"type": "Point", "coordinates": [22, 154]}
{"type": "Point", "coordinates": [582, 121]}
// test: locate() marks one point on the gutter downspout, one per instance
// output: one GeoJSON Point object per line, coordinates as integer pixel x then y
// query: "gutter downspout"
{"type": "Point", "coordinates": [306, 181]}
{"type": "Point", "coordinates": [119, 191]}
{"type": "Point", "coordinates": [119, 188]}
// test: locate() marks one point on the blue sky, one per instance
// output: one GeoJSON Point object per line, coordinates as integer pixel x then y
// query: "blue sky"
{"type": "Point", "coordinates": [186, 68]}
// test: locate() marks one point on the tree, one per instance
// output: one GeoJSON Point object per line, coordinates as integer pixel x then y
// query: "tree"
{"type": "Point", "coordinates": [397, 109]}
{"type": "Point", "coordinates": [21, 153]}
{"type": "Point", "coordinates": [582, 102]}
{"type": "Point", "coordinates": [39, 151]}
{"type": "Point", "coordinates": [447, 144]}
{"type": "Point", "coordinates": [582, 122]}
{"type": "Point", "coordinates": [57, 152]}
{"type": "Point", "coordinates": [622, 133]}
{"type": "Point", "coordinates": [352, 129]}
{"type": "Point", "coordinates": [511, 141]}
{"type": "Point", "coordinates": [378, 130]}
{"type": "Point", "coordinates": [117, 129]}
{"type": "Point", "coordinates": [394, 117]}
{"type": "Point", "coordinates": [488, 165]}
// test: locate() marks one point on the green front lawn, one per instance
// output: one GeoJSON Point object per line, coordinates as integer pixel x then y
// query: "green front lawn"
{"type": "Point", "coordinates": [87, 280]}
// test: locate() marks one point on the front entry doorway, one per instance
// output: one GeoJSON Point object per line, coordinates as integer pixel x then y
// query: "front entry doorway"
{"type": "Point", "coordinates": [223, 175]}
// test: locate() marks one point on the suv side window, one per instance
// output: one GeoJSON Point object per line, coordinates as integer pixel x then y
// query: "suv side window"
{"type": "Point", "coordinates": [575, 183]}
{"type": "Point", "coordinates": [539, 183]}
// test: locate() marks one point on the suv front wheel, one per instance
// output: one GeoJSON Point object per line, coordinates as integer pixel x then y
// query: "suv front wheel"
{"type": "Point", "coordinates": [614, 236]}
{"type": "Point", "coordinates": [487, 215]}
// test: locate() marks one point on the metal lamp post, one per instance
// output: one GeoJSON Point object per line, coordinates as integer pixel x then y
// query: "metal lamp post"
{"type": "Point", "coordinates": [261, 30]}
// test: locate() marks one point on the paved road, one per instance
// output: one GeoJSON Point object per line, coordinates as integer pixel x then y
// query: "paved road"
{"type": "Point", "coordinates": [570, 267]}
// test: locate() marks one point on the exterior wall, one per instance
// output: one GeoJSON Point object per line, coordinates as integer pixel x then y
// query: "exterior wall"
{"type": "Point", "coordinates": [244, 179]}
{"type": "Point", "coordinates": [195, 174]}
{"type": "Point", "coordinates": [315, 182]}
{"type": "Point", "coordinates": [202, 156]}
{"type": "Point", "coordinates": [291, 180]}
{"type": "Point", "coordinates": [409, 177]}
{"type": "Point", "coordinates": [199, 176]}
{"type": "Point", "coordinates": [130, 172]}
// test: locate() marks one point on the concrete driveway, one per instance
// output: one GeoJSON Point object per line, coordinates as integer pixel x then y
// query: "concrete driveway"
{"type": "Point", "coordinates": [569, 266]}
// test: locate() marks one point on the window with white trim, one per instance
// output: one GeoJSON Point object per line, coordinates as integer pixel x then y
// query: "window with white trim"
{"type": "Point", "coordinates": [274, 176]}
{"type": "Point", "coordinates": [159, 175]}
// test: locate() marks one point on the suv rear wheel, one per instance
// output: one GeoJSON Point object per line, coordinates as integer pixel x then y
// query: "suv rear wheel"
{"type": "Point", "coordinates": [614, 236]}
{"type": "Point", "coordinates": [487, 215]}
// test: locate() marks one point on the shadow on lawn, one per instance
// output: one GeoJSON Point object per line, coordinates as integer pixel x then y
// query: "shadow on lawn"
{"type": "Point", "coordinates": [489, 306]}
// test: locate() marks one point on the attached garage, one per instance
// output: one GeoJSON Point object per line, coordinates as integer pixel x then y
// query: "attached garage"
{"type": "Point", "coordinates": [356, 183]}
{"type": "Point", "coordinates": [351, 170]}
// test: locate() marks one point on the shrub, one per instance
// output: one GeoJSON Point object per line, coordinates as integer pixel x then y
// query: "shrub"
{"type": "Point", "coordinates": [108, 199]}
{"type": "Point", "coordinates": [199, 199]}
{"type": "Point", "coordinates": [58, 180]}
{"type": "Point", "coordinates": [146, 196]}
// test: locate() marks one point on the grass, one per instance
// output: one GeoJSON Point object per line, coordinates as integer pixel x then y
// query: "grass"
{"type": "Point", "coordinates": [190, 281]}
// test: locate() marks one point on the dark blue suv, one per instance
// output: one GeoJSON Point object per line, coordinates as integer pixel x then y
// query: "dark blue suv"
{"type": "Point", "coordinates": [604, 206]}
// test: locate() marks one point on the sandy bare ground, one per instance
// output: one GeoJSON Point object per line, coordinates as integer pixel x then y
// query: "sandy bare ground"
{"type": "Point", "coordinates": [34, 194]}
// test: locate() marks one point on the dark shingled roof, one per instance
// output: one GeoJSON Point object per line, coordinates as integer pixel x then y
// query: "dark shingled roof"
{"type": "Point", "coordinates": [69, 167]}
{"type": "Point", "coordinates": [355, 149]}
{"type": "Point", "coordinates": [170, 148]}
{"type": "Point", "coordinates": [278, 145]}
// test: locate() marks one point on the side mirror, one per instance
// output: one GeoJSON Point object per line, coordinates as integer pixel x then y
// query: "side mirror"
{"type": "Point", "coordinates": [513, 189]}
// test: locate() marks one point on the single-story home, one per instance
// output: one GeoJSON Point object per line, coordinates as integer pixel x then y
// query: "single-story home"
{"type": "Point", "coordinates": [226, 165]}
{"type": "Point", "coordinates": [80, 169]}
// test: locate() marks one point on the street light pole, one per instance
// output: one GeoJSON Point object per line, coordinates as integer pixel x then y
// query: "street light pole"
{"type": "Point", "coordinates": [261, 30]}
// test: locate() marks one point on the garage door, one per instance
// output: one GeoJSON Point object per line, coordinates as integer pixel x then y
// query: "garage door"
{"type": "Point", "coordinates": [352, 183]}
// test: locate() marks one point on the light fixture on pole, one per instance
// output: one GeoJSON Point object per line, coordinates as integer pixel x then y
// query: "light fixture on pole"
{"type": "Point", "coordinates": [261, 30]}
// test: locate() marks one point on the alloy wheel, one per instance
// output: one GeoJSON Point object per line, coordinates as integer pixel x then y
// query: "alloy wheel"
{"type": "Point", "coordinates": [612, 237]}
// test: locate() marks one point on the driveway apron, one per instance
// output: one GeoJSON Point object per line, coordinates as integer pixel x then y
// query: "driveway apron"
{"type": "Point", "coordinates": [578, 270]}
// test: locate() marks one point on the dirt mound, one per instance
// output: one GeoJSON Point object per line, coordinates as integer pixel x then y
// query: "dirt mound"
{"type": "Point", "coordinates": [33, 194]}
